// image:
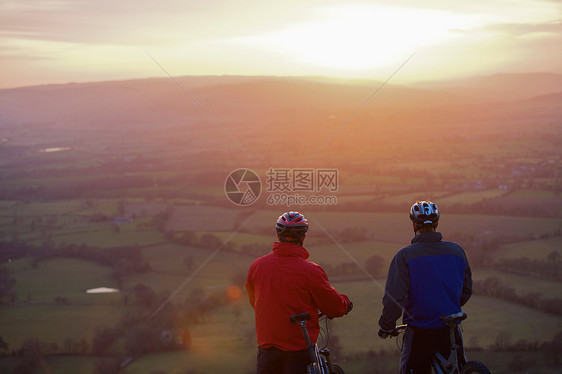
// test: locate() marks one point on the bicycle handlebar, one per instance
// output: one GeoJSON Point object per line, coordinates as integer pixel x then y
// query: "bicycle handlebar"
{"type": "Point", "coordinates": [392, 333]}
{"type": "Point", "coordinates": [320, 314]}
{"type": "Point", "coordinates": [398, 329]}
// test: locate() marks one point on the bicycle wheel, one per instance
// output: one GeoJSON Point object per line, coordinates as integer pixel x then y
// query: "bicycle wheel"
{"type": "Point", "coordinates": [475, 367]}
{"type": "Point", "coordinates": [337, 370]}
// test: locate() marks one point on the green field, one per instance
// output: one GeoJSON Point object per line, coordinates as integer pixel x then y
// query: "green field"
{"type": "Point", "coordinates": [177, 271]}
{"type": "Point", "coordinates": [144, 209]}
{"type": "Point", "coordinates": [396, 227]}
{"type": "Point", "coordinates": [242, 238]}
{"type": "Point", "coordinates": [487, 318]}
{"type": "Point", "coordinates": [42, 209]}
{"type": "Point", "coordinates": [55, 323]}
{"type": "Point", "coordinates": [523, 285]}
{"type": "Point", "coordinates": [355, 198]}
{"type": "Point", "coordinates": [201, 218]}
{"type": "Point", "coordinates": [470, 197]}
{"type": "Point", "coordinates": [334, 254]}
{"type": "Point", "coordinates": [231, 359]}
{"type": "Point", "coordinates": [146, 169]}
{"type": "Point", "coordinates": [408, 199]}
{"type": "Point", "coordinates": [208, 270]}
{"type": "Point", "coordinates": [533, 249]}
{"type": "Point", "coordinates": [534, 194]}
{"type": "Point", "coordinates": [61, 277]}
{"type": "Point", "coordinates": [104, 236]}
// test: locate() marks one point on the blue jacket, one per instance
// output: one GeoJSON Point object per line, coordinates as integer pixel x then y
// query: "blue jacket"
{"type": "Point", "coordinates": [426, 280]}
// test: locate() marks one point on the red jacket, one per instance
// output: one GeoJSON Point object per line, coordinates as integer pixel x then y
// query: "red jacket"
{"type": "Point", "coordinates": [284, 283]}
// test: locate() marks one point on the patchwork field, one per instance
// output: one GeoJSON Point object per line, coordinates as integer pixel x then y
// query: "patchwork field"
{"type": "Point", "coordinates": [533, 249]}
{"type": "Point", "coordinates": [523, 285]}
{"type": "Point", "coordinates": [134, 200]}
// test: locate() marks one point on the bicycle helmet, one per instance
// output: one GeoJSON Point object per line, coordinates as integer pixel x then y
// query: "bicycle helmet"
{"type": "Point", "coordinates": [291, 226]}
{"type": "Point", "coordinates": [424, 213]}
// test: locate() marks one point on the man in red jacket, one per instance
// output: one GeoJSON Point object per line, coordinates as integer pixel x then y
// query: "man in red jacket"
{"type": "Point", "coordinates": [284, 283]}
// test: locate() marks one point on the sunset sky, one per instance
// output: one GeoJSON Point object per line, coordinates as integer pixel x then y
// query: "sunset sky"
{"type": "Point", "coordinates": [60, 41]}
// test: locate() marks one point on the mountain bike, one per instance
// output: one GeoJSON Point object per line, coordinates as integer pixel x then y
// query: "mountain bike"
{"type": "Point", "coordinates": [320, 360]}
{"type": "Point", "coordinates": [450, 365]}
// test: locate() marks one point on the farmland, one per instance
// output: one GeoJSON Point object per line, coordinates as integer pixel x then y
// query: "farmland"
{"type": "Point", "coordinates": [141, 208]}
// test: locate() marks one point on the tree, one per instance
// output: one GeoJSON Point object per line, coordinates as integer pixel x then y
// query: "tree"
{"type": "Point", "coordinates": [187, 238]}
{"type": "Point", "coordinates": [144, 295]}
{"type": "Point", "coordinates": [108, 366]}
{"type": "Point", "coordinates": [239, 279]}
{"type": "Point", "coordinates": [7, 284]}
{"type": "Point", "coordinates": [84, 346]}
{"type": "Point", "coordinates": [553, 350]}
{"type": "Point", "coordinates": [553, 257]}
{"type": "Point", "coordinates": [144, 339]}
{"type": "Point", "coordinates": [103, 339]}
{"type": "Point", "coordinates": [353, 234]}
{"type": "Point", "coordinates": [503, 341]}
{"type": "Point", "coordinates": [69, 346]}
{"type": "Point", "coordinates": [3, 346]}
{"type": "Point", "coordinates": [210, 241]}
{"type": "Point", "coordinates": [121, 205]}
{"type": "Point", "coordinates": [31, 352]}
{"type": "Point", "coordinates": [374, 265]}
{"type": "Point", "coordinates": [520, 364]}
{"type": "Point", "coordinates": [54, 348]}
{"type": "Point", "coordinates": [188, 262]}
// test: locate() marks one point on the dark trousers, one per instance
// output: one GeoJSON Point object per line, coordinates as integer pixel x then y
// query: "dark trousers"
{"type": "Point", "coordinates": [276, 361]}
{"type": "Point", "coordinates": [420, 345]}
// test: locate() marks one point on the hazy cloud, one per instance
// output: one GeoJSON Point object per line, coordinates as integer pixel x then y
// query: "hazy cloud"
{"type": "Point", "coordinates": [554, 28]}
{"type": "Point", "coordinates": [106, 38]}
{"type": "Point", "coordinates": [137, 22]}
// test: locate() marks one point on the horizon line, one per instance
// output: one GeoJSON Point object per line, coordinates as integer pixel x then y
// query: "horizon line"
{"type": "Point", "coordinates": [308, 77]}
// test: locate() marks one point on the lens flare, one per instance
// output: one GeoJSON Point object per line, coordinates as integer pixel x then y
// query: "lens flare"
{"type": "Point", "coordinates": [234, 293]}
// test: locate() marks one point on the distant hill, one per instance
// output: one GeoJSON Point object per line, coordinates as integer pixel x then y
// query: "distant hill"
{"type": "Point", "coordinates": [553, 98]}
{"type": "Point", "coordinates": [162, 100]}
{"type": "Point", "coordinates": [276, 106]}
{"type": "Point", "coordinates": [501, 87]}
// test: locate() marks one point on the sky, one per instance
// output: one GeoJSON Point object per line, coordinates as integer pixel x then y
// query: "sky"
{"type": "Point", "coordinates": [62, 41]}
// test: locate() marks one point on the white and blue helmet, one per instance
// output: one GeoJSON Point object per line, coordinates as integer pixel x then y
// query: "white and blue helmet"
{"type": "Point", "coordinates": [424, 213]}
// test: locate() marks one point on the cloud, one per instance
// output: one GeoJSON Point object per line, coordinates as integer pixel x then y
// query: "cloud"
{"type": "Point", "coordinates": [106, 37]}
{"type": "Point", "coordinates": [23, 57]}
{"type": "Point", "coordinates": [139, 22]}
{"type": "Point", "coordinates": [518, 29]}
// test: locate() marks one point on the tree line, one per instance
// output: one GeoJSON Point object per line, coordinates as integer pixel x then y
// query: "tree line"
{"type": "Point", "coordinates": [495, 288]}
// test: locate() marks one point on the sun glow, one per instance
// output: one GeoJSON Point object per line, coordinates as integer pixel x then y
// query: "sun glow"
{"type": "Point", "coordinates": [363, 37]}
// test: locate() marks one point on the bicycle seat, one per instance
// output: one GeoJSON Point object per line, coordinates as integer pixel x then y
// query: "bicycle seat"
{"type": "Point", "coordinates": [296, 318]}
{"type": "Point", "coordinates": [454, 319]}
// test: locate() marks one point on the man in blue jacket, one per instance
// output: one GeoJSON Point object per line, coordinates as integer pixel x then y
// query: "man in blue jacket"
{"type": "Point", "coordinates": [426, 280]}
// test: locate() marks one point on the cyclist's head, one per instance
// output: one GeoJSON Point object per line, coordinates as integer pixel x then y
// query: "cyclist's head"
{"type": "Point", "coordinates": [291, 227]}
{"type": "Point", "coordinates": [424, 215]}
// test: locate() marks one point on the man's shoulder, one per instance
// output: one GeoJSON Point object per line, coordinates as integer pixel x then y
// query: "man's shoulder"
{"type": "Point", "coordinates": [272, 258]}
{"type": "Point", "coordinates": [312, 265]}
{"type": "Point", "coordinates": [263, 259]}
{"type": "Point", "coordinates": [452, 244]}
{"type": "Point", "coordinates": [421, 249]}
{"type": "Point", "coordinates": [453, 247]}
{"type": "Point", "coordinates": [307, 267]}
